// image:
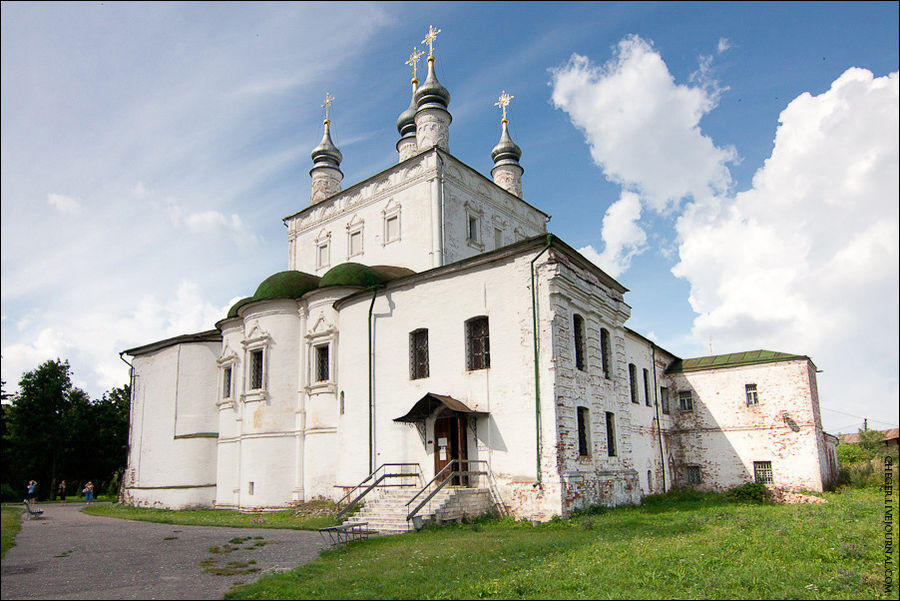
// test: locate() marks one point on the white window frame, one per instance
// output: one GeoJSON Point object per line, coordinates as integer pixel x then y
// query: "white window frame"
{"type": "Point", "coordinates": [257, 341]}
{"type": "Point", "coordinates": [228, 360]}
{"type": "Point", "coordinates": [392, 211]}
{"type": "Point", "coordinates": [313, 342]}
{"type": "Point", "coordinates": [690, 397]}
{"type": "Point", "coordinates": [356, 226]}
{"type": "Point", "coordinates": [751, 393]}
{"type": "Point", "coordinates": [476, 214]}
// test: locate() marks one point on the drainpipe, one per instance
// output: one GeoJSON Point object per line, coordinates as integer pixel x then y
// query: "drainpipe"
{"type": "Point", "coordinates": [371, 386]}
{"type": "Point", "coordinates": [130, 420]}
{"type": "Point", "coordinates": [537, 375]}
{"type": "Point", "coordinates": [662, 456]}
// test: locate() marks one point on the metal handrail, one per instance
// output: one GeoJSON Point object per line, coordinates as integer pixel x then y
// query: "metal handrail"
{"type": "Point", "coordinates": [447, 479]}
{"type": "Point", "coordinates": [378, 480]}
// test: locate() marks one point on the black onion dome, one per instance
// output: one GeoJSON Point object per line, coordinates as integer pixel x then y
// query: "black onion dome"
{"type": "Point", "coordinates": [431, 94]}
{"type": "Point", "coordinates": [326, 153]}
{"type": "Point", "coordinates": [406, 122]}
{"type": "Point", "coordinates": [506, 151]}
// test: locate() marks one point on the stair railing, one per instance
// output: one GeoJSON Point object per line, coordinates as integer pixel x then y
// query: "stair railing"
{"type": "Point", "coordinates": [448, 477]}
{"type": "Point", "coordinates": [375, 479]}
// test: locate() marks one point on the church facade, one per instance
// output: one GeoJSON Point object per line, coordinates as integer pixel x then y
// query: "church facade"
{"type": "Point", "coordinates": [427, 316]}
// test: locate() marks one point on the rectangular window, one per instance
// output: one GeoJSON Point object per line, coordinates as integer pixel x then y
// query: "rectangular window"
{"type": "Point", "coordinates": [632, 381]}
{"type": "Point", "coordinates": [605, 353]}
{"type": "Point", "coordinates": [578, 332]}
{"type": "Point", "coordinates": [322, 372]}
{"type": "Point", "coordinates": [356, 243]}
{"type": "Point", "coordinates": [649, 481]}
{"type": "Point", "coordinates": [250, 488]}
{"type": "Point", "coordinates": [226, 383]}
{"type": "Point", "coordinates": [664, 399]}
{"type": "Point", "coordinates": [647, 387]}
{"type": "Point", "coordinates": [498, 237]}
{"type": "Point", "coordinates": [472, 231]}
{"type": "Point", "coordinates": [610, 434]}
{"type": "Point", "coordinates": [392, 228]}
{"type": "Point", "coordinates": [752, 398]}
{"type": "Point", "coordinates": [693, 474]}
{"type": "Point", "coordinates": [322, 256]}
{"type": "Point", "coordinates": [584, 441]}
{"type": "Point", "coordinates": [418, 354]}
{"type": "Point", "coordinates": [762, 471]}
{"type": "Point", "coordinates": [478, 348]}
{"type": "Point", "coordinates": [256, 369]}
{"type": "Point", "coordinates": [685, 400]}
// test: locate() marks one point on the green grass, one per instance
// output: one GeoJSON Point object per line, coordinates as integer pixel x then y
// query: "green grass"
{"type": "Point", "coordinates": [676, 546]}
{"type": "Point", "coordinates": [10, 524]}
{"type": "Point", "coordinates": [214, 517]}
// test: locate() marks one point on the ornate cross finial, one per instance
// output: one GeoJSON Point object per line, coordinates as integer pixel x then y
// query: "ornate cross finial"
{"type": "Point", "coordinates": [414, 59]}
{"type": "Point", "coordinates": [328, 100]}
{"type": "Point", "coordinates": [430, 38]}
{"type": "Point", "coordinates": [503, 102]}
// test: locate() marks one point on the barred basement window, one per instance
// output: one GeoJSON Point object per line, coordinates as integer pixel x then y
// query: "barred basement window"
{"type": "Point", "coordinates": [584, 440]}
{"type": "Point", "coordinates": [752, 398]}
{"type": "Point", "coordinates": [322, 371]}
{"type": "Point", "coordinates": [685, 401]}
{"type": "Point", "coordinates": [632, 381]}
{"type": "Point", "coordinates": [610, 434]}
{"type": "Point", "coordinates": [256, 369]}
{"type": "Point", "coordinates": [647, 387]}
{"type": "Point", "coordinates": [762, 471]}
{"type": "Point", "coordinates": [693, 474]}
{"type": "Point", "coordinates": [605, 353]}
{"type": "Point", "coordinates": [664, 399]}
{"type": "Point", "coordinates": [226, 383]}
{"type": "Point", "coordinates": [478, 348]}
{"type": "Point", "coordinates": [418, 354]}
{"type": "Point", "coordinates": [578, 330]}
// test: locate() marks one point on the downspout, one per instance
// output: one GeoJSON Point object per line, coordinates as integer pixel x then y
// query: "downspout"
{"type": "Point", "coordinates": [662, 455]}
{"type": "Point", "coordinates": [537, 375]}
{"type": "Point", "coordinates": [371, 386]}
{"type": "Point", "coordinates": [130, 421]}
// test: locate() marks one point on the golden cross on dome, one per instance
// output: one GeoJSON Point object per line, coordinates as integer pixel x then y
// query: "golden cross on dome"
{"type": "Point", "coordinates": [430, 38]}
{"type": "Point", "coordinates": [414, 59]}
{"type": "Point", "coordinates": [503, 102]}
{"type": "Point", "coordinates": [328, 100]}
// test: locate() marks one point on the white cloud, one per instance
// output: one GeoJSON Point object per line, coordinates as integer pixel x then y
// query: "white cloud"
{"type": "Point", "coordinates": [623, 238]}
{"type": "Point", "coordinates": [724, 44]}
{"type": "Point", "coordinates": [643, 128]}
{"type": "Point", "coordinates": [64, 204]}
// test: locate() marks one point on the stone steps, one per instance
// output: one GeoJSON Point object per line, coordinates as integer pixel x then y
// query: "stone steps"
{"type": "Point", "coordinates": [385, 510]}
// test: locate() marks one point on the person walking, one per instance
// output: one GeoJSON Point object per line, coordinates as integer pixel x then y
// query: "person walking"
{"type": "Point", "coordinates": [61, 490]}
{"type": "Point", "coordinates": [88, 492]}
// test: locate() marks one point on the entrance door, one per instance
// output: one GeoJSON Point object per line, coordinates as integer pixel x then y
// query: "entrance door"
{"type": "Point", "coordinates": [450, 443]}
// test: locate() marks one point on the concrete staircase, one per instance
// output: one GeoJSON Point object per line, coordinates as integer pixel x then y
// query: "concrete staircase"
{"type": "Point", "coordinates": [385, 509]}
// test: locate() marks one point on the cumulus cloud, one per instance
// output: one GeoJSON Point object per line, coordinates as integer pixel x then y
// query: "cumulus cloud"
{"type": "Point", "coordinates": [644, 129]}
{"type": "Point", "coordinates": [64, 204]}
{"type": "Point", "coordinates": [724, 44]}
{"type": "Point", "coordinates": [623, 238]}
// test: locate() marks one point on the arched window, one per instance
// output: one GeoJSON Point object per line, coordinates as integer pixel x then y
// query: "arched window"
{"type": "Point", "coordinates": [478, 346]}
{"type": "Point", "coordinates": [578, 332]}
{"type": "Point", "coordinates": [605, 353]}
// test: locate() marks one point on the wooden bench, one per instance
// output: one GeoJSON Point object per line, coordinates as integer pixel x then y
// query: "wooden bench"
{"type": "Point", "coordinates": [335, 536]}
{"type": "Point", "coordinates": [30, 512]}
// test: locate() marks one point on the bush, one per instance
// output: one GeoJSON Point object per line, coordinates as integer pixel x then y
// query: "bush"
{"type": "Point", "coordinates": [749, 491]}
{"type": "Point", "coordinates": [862, 474]}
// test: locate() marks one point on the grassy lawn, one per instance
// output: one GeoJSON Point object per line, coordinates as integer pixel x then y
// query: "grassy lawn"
{"type": "Point", "coordinates": [10, 524]}
{"type": "Point", "coordinates": [696, 546]}
{"type": "Point", "coordinates": [216, 517]}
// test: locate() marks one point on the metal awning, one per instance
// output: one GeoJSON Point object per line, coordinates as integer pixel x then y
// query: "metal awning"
{"type": "Point", "coordinates": [428, 403]}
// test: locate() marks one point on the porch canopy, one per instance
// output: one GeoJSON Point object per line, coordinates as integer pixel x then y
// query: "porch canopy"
{"type": "Point", "coordinates": [428, 403]}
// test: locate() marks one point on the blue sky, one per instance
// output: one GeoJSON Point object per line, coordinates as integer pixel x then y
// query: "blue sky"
{"type": "Point", "coordinates": [149, 152]}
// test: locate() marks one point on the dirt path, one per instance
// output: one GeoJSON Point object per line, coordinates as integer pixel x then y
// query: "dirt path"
{"type": "Point", "coordinates": [70, 555]}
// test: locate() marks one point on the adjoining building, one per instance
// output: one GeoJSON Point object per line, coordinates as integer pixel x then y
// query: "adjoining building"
{"type": "Point", "coordinates": [428, 318]}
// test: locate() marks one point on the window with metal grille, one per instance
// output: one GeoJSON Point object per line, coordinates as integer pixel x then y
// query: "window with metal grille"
{"type": "Point", "coordinates": [693, 474]}
{"type": "Point", "coordinates": [418, 354]}
{"type": "Point", "coordinates": [762, 471]}
{"type": "Point", "coordinates": [322, 372]}
{"type": "Point", "coordinates": [584, 437]}
{"type": "Point", "coordinates": [605, 353]}
{"type": "Point", "coordinates": [478, 348]}
{"type": "Point", "coordinates": [647, 387]}
{"type": "Point", "coordinates": [610, 434]}
{"type": "Point", "coordinates": [632, 382]}
{"type": "Point", "coordinates": [578, 328]}
{"type": "Point", "coordinates": [226, 383]}
{"type": "Point", "coordinates": [685, 400]}
{"type": "Point", "coordinates": [664, 399]}
{"type": "Point", "coordinates": [256, 369]}
{"type": "Point", "coordinates": [752, 398]}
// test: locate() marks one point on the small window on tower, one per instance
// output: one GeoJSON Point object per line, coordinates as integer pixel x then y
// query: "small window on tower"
{"type": "Point", "coordinates": [322, 371]}
{"type": "Point", "coordinates": [256, 369]}
{"type": "Point", "coordinates": [226, 383]}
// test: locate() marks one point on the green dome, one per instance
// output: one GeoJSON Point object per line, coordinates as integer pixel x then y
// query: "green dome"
{"type": "Point", "coordinates": [232, 312]}
{"type": "Point", "coordinates": [286, 284]}
{"type": "Point", "coordinates": [351, 274]}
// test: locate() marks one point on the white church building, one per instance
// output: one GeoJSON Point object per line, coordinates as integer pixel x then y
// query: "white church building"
{"type": "Point", "coordinates": [427, 318]}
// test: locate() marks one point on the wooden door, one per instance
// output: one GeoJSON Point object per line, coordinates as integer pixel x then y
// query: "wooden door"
{"type": "Point", "coordinates": [450, 443]}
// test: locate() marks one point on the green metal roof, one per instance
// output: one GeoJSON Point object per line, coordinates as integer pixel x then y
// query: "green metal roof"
{"type": "Point", "coordinates": [286, 284]}
{"type": "Point", "coordinates": [232, 312]}
{"type": "Point", "coordinates": [730, 360]}
{"type": "Point", "coordinates": [357, 274]}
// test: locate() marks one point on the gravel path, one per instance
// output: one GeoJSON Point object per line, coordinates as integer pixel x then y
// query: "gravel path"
{"type": "Point", "coordinates": [70, 555]}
